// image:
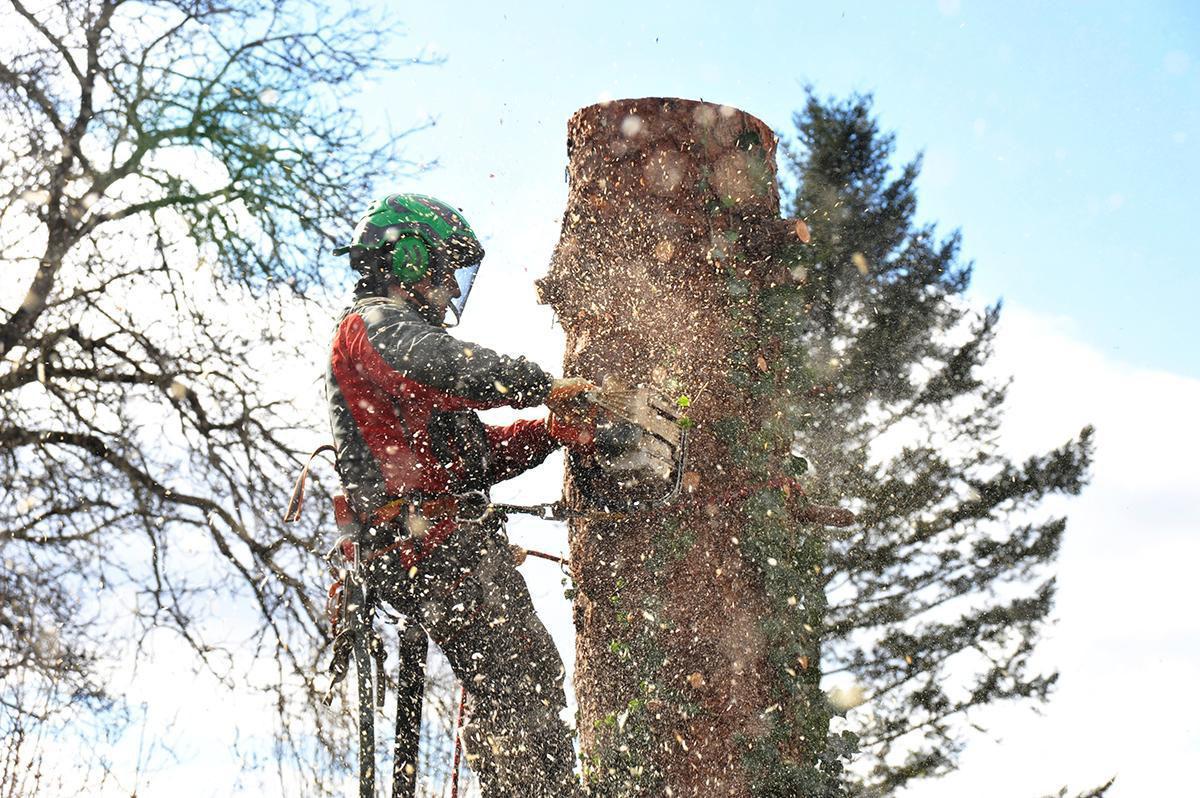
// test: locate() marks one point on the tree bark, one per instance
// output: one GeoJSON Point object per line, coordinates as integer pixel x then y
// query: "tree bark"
{"type": "Point", "coordinates": [671, 221]}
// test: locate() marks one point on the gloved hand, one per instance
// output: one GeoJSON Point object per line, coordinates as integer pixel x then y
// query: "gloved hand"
{"type": "Point", "coordinates": [575, 435]}
{"type": "Point", "coordinates": [564, 391]}
{"type": "Point", "coordinates": [571, 422]}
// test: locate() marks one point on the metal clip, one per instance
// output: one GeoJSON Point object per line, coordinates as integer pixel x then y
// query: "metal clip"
{"type": "Point", "coordinates": [483, 503]}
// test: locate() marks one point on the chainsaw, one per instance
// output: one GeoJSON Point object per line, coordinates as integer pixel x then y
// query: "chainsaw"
{"type": "Point", "coordinates": [635, 459]}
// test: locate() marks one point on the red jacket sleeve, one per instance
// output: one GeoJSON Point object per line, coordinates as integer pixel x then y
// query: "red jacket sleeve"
{"type": "Point", "coordinates": [517, 447]}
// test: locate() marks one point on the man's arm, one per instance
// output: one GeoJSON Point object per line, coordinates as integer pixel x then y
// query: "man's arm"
{"type": "Point", "coordinates": [407, 357]}
{"type": "Point", "coordinates": [524, 444]}
{"type": "Point", "coordinates": [517, 447]}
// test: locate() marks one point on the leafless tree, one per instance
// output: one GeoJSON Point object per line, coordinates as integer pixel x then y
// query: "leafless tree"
{"type": "Point", "coordinates": [172, 176]}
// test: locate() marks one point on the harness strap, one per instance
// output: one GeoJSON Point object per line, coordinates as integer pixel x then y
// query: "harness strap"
{"type": "Point", "coordinates": [296, 502]}
{"type": "Point", "coordinates": [361, 645]}
{"type": "Point", "coordinates": [442, 507]}
{"type": "Point", "coordinates": [379, 654]}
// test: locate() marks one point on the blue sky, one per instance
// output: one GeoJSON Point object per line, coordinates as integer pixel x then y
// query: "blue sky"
{"type": "Point", "coordinates": [1063, 139]}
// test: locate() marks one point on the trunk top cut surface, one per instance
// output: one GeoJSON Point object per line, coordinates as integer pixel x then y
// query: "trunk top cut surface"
{"type": "Point", "coordinates": [671, 223]}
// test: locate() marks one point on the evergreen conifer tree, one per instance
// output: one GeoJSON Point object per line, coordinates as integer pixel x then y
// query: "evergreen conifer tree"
{"type": "Point", "coordinates": [935, 601]}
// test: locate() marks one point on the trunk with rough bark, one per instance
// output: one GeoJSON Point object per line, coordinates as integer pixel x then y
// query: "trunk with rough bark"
{"type": "Point", "coordinates": [671, 225]}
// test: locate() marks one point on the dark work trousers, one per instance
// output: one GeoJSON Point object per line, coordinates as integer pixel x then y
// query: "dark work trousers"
{"type": "Point", "coordinates": [469, 597]}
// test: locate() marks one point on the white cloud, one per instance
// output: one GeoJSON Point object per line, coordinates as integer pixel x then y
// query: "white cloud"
{"type": "Point", "coordinates": [1126, 643]}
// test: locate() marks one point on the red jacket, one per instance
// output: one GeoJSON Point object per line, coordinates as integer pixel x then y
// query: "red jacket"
{"type": "Point", "coordinates": [402, 400]}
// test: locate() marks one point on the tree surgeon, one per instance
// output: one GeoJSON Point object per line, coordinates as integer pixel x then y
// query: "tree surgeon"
{"type": "Point", "coordinates": [417, 463]}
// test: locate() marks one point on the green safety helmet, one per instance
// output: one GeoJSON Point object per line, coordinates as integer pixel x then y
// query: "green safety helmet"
{"type": "Point", "coordinates": [412, 236]}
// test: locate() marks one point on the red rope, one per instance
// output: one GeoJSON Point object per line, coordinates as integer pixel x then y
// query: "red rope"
{"type": "Point", "coordinates": [462, 702]}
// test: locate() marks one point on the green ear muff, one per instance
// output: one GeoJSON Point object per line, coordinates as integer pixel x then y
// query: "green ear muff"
{"type": "Point", "coordinates": [410, 259]}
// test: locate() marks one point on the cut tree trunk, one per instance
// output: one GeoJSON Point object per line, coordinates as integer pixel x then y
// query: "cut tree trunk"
{"type": "Point", "coordinates": [670, 225]}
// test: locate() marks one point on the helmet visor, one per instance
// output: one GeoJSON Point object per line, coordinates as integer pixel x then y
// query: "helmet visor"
{"type": "Point", "coordinates": [461, 257]}
{"type": "Point", "coordinates": [465, 277]}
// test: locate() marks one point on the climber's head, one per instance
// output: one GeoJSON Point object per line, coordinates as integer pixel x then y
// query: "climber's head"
{"type": "Point", "coordinates": [419, 247]}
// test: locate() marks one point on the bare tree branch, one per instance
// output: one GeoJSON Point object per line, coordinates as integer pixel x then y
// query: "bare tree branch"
{"type": "Point", "coordinates": [171, 186]}
{"type": "Point", "coordinates": [55, 41]}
